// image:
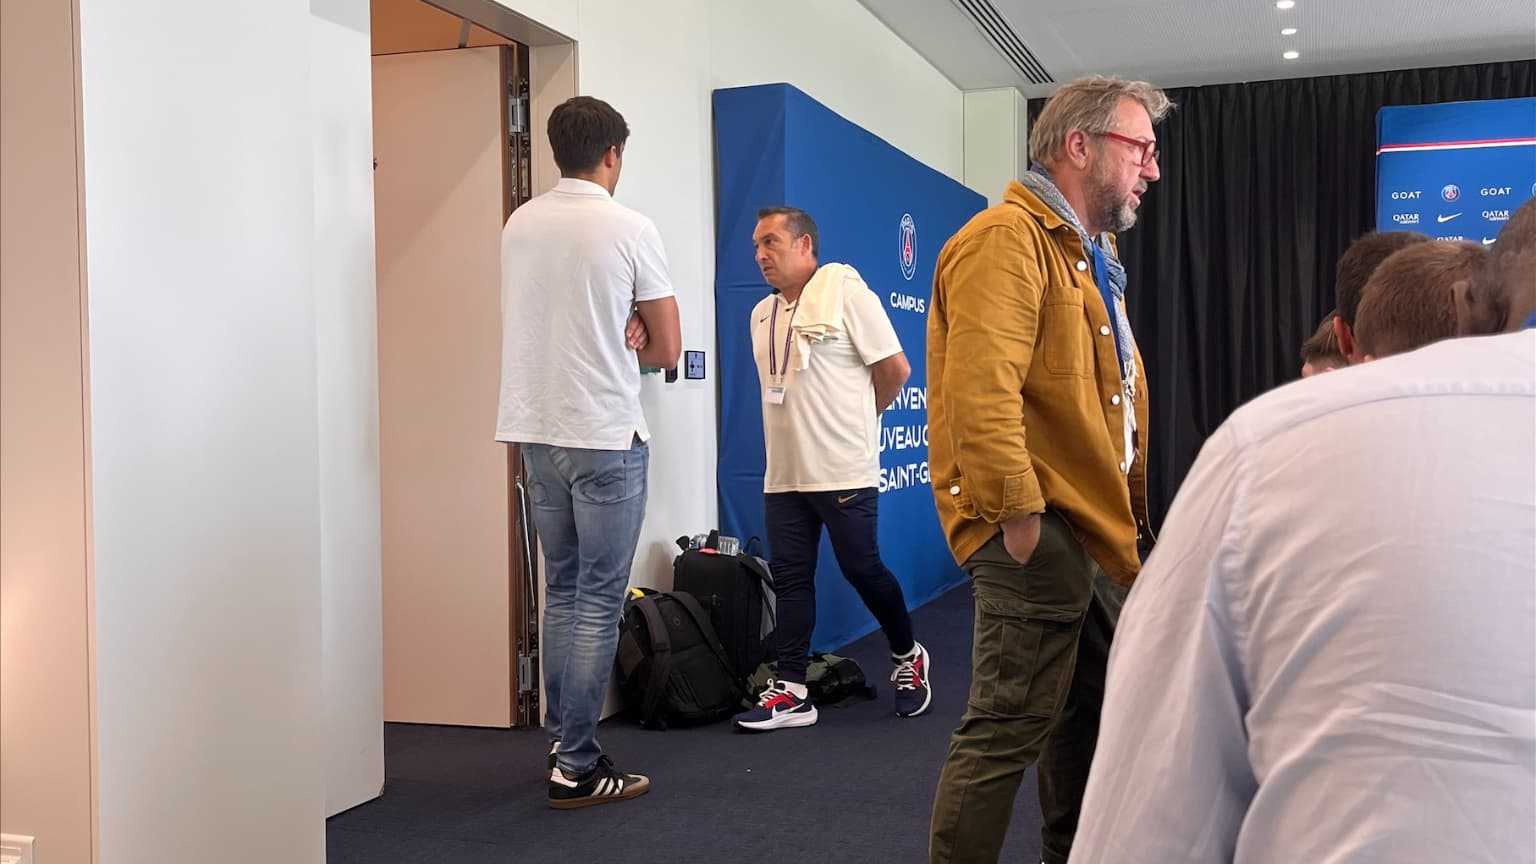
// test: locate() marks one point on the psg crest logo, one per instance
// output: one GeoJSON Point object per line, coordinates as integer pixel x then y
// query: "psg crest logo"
{"type": "Point", "coordinates": [908, 247]}
{"type": "Point", "coordinates": [1450, 192]}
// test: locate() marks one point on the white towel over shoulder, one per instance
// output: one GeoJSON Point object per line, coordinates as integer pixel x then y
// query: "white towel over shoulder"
{"type": "Point", "coordinates": [820, 313]}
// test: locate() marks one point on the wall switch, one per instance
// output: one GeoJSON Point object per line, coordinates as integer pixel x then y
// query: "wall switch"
{"type": "Point", "coordinates": [16, 849]}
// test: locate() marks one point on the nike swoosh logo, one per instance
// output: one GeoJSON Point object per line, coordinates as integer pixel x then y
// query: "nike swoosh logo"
{"type": "Point", "coordinates": [842, 500]}
{"type": "Point", "coordinates": [1488, 241]}
{"type": "Point", "coordinates": [762, 319]}
{"type": "Point", "coordinates": [1446, 218]}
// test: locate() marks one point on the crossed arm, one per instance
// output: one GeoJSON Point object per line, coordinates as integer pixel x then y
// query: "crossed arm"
{"type": "Point", "coordinates": [654, 332]}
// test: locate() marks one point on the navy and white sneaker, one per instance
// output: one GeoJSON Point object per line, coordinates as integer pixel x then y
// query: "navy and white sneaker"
{"type": "Point", "coordinates": [777, 708]}
{"type": "Point", "coordinates": [913, 695]}
{"type": "Point", "coordinates": [604, 784]}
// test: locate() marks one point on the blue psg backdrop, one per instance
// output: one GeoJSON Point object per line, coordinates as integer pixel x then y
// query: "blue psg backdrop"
{"type": "Point", "coordinates": [885, 214]}
{"type": "Point", "coordinates": [1455, 171]}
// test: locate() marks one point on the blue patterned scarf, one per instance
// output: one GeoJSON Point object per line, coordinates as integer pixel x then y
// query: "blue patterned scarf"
{"type": "Point", "coordinates": [1038, 180]}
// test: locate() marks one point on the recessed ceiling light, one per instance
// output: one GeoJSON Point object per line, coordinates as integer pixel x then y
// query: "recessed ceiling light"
{"type": "Point", "coordinates": [1285, 4]}
{"type": "Point", "coordinates": [1291, 55]}
{"type": "Point", "coordinates": [1289, 31]}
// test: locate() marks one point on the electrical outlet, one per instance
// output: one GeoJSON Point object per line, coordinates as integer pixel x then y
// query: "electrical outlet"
{"type": "Point", "coordinates": [16, 849]}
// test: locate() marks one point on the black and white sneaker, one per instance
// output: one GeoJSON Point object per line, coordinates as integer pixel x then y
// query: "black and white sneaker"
{"type": "Point", "coordinates": [604, 784]}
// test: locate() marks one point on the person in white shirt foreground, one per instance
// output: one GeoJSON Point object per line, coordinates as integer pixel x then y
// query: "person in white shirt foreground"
{"type": "Point", "coordinates": [1331, 655]}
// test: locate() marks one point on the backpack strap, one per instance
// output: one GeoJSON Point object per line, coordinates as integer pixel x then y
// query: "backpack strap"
{"type": "Point", "coordinates": [661, 658]}
{"type": "Point", "coordinates": [759, 569]}
{"type": "Point", "coordinates": [701, 620]}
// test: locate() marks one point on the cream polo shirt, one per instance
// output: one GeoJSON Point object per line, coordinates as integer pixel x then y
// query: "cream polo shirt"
{"type": "Point", "coordinates": [825, 435]}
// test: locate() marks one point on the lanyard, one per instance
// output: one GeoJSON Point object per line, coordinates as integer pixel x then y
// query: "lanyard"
{"type": "Point", "coordinates": [789, 333]}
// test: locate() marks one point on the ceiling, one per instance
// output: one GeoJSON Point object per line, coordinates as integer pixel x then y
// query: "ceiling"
{"type": "Point", "coordinates": [1174, 43]}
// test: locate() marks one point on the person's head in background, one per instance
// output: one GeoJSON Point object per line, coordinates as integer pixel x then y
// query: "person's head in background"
{"type": "Point", "coordinates": [1355, 267]}
{"type": "Point", "coordinates": [1321, 352]}
{"type": "Point", "coordinates": [1412, 298]}
{"type": "Point", "coordinates": [587, 137]}
{"type": "Point", "coordinates": [1503, 298]}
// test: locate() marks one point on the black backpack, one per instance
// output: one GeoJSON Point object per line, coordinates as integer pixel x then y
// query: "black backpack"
{"type": "Point", "coordinates": [734, 590]}
{"type": "Point", "coordinates": [671, 670]}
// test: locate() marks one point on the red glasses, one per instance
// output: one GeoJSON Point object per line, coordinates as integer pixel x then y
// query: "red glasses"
{"type": "Point", "coordinates": [1148, 148]}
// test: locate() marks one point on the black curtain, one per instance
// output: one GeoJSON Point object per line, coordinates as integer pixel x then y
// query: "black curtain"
{"type": "Point", "coordinates": [1231, 263]}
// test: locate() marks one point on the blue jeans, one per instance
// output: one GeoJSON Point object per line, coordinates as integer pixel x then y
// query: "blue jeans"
{"type": "Point", "coordinates": [587, 507]}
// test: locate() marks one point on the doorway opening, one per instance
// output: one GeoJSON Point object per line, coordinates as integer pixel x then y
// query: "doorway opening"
{"type": "Point", "coordinates": [457, 85]}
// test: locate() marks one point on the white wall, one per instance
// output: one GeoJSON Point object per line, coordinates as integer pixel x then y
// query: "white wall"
{"type": "Point", "coordinates": [835, 51]}
{"type": "Point", "coordinates": [840, 54]}
{"type": "Point", "coordinates": [348, 394]}
{"type": "Point", "coordinates": [996, 140]}
{"type": "Point", "coordinates": [204, 424]}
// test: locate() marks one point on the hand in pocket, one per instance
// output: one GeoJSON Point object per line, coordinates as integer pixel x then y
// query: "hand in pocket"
{"type": "Point", "coordinates": [1021, 535]}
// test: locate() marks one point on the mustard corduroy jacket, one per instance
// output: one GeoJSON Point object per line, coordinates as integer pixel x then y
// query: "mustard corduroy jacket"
{"type": "Point", "coordinates": [1024, 389]}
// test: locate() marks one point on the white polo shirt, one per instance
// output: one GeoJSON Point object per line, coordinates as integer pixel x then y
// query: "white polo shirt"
{"type": "Point", "coordinates": [573, 263]}
{"type": "Point", "coordinates": [825, 435]}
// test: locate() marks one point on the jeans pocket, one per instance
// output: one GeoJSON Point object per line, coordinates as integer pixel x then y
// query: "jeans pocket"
{"type": "Point", "coordinates": [608, 485]}
{"type": "Point", "coordinates": [611, 476]}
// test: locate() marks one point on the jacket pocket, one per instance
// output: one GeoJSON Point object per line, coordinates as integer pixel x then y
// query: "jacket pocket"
{"type": "Point", "coordinates": [1064, 345]}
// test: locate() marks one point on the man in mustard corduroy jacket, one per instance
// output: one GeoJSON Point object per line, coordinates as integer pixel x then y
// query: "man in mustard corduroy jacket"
{"type": "Point", "coordinates": [1037, 418]}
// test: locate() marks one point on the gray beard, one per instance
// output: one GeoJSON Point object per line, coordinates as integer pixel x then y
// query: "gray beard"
{"type": "Point", "coordinates": [1121, 218]}
{"type": "Point", "coordinates": [1114, 214]}
{"type": "Point", "coordinates": [1111, 212]}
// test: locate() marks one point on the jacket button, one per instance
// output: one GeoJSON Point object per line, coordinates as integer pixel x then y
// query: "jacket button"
{"type": "Point", "coordinates": [1114, 400]}
{"type": "Point", "coordinates": [954, 490]}
{"type": "Point", "coordinates": [1122, 466]}
{"type": "Point", "coordinates": [1104, 330]}
{"type": "Point", "coordinates": [1081, 266]}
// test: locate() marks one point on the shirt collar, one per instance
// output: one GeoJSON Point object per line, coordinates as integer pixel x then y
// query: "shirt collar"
{"type": "Point", "coordinates": [576, 186]}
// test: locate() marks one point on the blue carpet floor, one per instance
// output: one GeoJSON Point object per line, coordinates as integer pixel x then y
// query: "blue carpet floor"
{"type": "Point", "coordinates": [857, 787]}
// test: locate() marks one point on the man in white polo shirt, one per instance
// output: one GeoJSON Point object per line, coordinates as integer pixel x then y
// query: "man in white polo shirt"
{"type": "Point", "coordinates": [829, 363]}
{"type": "Point", "coordinates": [578, 269]}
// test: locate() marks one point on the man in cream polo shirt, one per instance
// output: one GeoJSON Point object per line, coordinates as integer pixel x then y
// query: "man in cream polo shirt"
{"type": "Point", "coordinates": [828, 362]}
{"type": "Point", "coordinates": [586, 300]}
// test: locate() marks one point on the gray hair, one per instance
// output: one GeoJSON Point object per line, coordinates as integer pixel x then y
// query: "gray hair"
{"type": "Point", "coordinates": [1089, 105]}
